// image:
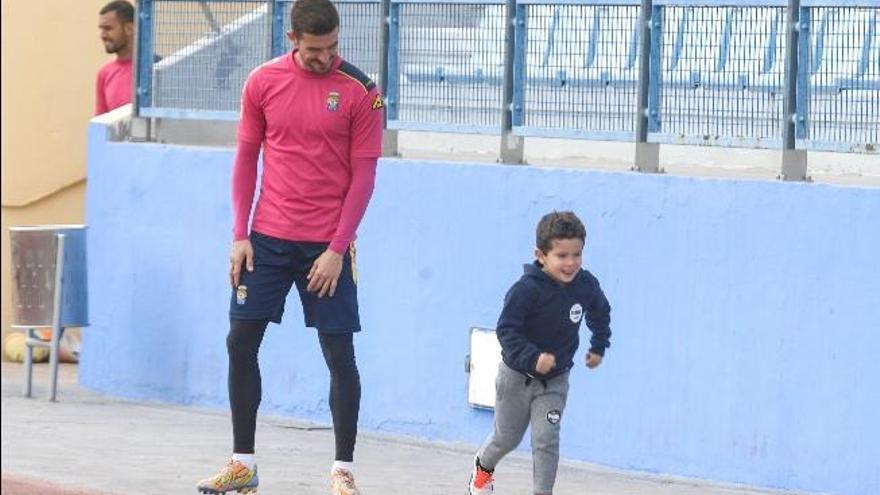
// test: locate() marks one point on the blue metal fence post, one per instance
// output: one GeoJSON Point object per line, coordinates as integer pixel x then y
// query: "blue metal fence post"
{"type": "Point", "coordinates": [389, 136]}
{"type": "Point", "coordinates": [144, 73]}
{"type": "Point", "coordinates": [794, 161]}
{"type": "Point", "coordinates": [142, 77]}
{"type": "Point", "coordinates": [655, 78]}
{"type": "Point", "coordinates": [392, 87]}
{"type": "Point", "coordinates": [803, 74]}
{"type": "Point", "coordinates": [519, 66]}
{"type": "Point", "coordinates": [276, 10]}
{"type": "Point", "coordinates": [511, 145]}
{"type": "Point", "coordinates": [647, 158]}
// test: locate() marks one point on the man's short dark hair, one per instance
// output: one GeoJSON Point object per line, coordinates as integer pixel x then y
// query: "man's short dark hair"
{"type": "Point", "coordinates": [559, 225]}
{"type": "Point", "coordinates": [124, 10]}
{"type": "Point", "coordinates": [316, 17]}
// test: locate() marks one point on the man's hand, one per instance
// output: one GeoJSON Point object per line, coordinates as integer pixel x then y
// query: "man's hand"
{"type": "Point", "coordinates": [325, 273]}
{"type": "Point", "coordinates": [546, 362]}
{"type": "Point", "coordinates": [242, 253]}
{"type": "Point", "coordinates": [593, 360]}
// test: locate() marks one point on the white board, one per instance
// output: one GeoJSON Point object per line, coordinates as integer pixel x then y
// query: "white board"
{"type": "Point", "coordinates": [485, 356]}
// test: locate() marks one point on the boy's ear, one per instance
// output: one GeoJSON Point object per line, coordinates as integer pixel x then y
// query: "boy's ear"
{"type": "Point", "coordinates": [539, 255]}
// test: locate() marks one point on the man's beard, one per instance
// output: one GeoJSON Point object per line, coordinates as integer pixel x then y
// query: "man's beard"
{"type": "Point", "coordinates": [112, 48]}
{"type": "Point", "coordinates": [319, 68]}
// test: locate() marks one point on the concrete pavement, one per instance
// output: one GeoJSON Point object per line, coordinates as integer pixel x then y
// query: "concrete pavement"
{"type": "Point", "coordinates": [88, 444]}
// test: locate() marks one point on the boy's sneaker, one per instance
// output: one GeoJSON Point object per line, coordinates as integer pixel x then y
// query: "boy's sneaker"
{"type": "Point", "coordinates": [342, 483]}
{"type": "Point", "coordinates": [481, 480]}
{"type": "Point", "coordinates": [234, 477]}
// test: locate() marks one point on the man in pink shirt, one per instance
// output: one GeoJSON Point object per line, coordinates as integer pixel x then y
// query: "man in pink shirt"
{"type": "Point", "coordinates": [318, 121]}
{"type": "Point", "coordinates": [113, 86]}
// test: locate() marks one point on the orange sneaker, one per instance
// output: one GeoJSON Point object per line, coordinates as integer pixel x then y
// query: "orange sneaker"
{"type": "Point", "coordinates": [481, 480]}
{"type": "Point", "coordinates": [342, 483]}
{"type": "Point", "coordinates": [234, 477]}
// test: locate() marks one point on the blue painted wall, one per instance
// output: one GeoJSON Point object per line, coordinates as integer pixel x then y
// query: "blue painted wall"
{"type": "Point", "coordinates": [746, 314]}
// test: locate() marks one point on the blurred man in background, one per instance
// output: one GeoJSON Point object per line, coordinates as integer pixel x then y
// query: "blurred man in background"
{"type": "Point", "coordinates": [113, 86]}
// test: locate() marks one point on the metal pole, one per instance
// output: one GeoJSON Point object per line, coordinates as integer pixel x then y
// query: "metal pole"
{"type": "Point", "coordinates": [511, 145]}
{"type": "Point", "coordinates": [794, 161]}
{"type": "Point", "coordinates": [647, 157]}
{"type": "Point", "coordinates": [392, 81]}
{"type": "Point", "coordinates": [136, 56]}
{"type": "Point", "coordinates": [389, 136]}
{"type": "Point", "coordinates": [28, 362]}
{"type": "Point", "coordinates": [56, 318]}
{"type": "Point", "coordinates": [141, 127]}
{"type": "Point", "coordinates": [276, 12]}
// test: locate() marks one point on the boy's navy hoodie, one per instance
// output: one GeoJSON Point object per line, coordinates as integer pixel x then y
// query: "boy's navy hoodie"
{"type": "Point", "coordinates": [543, 315]}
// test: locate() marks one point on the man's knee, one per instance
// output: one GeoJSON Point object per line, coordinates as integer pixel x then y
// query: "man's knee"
{"type": "Point", "coordinates": [244, 337]}
{"type": "Point", "coordinates": [339, 354]}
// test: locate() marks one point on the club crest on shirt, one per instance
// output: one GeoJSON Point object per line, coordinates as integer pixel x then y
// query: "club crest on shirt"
{"type": "Point", "coordinates": [575, 313]}
{"type": "Point", "coordinates": [333, 101]}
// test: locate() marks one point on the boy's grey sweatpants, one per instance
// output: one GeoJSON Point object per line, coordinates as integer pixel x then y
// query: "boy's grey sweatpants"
{"type": "Point", "coordinates": [518, 403]}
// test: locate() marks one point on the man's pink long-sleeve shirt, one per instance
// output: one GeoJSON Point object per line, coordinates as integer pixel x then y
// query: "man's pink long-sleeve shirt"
{"type": "Point", "coordinates": [321, 136]}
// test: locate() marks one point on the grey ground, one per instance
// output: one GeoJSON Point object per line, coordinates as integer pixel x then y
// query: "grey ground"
{"type": "Point", "coordinates": [96, 443]}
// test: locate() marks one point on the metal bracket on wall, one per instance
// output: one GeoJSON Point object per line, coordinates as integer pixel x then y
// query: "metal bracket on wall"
{"type": "Point", "coordinates": [141, 129]}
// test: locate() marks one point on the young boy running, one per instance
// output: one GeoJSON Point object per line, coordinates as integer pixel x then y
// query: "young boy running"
{"type": "Point", "coordinates": [538, 331]}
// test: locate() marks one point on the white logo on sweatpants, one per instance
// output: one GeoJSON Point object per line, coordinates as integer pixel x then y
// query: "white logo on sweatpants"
{"type": "Point", "coordinates": [575, 313]}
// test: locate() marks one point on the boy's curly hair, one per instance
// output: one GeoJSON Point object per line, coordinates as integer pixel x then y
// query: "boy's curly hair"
{"type": "Point", "coordinates": [559, 225]}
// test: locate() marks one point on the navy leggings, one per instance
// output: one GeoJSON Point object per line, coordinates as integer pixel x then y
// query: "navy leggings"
{"type": "Point", "coordinates": [245, 391]}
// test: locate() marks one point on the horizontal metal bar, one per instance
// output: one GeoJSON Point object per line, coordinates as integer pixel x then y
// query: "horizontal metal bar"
{"type": "Point", "coordinates": [838, 146]}
{"type": "Point", "coordinates": [840, 3]}
{"type": "Point", "coordinates": [755, 3]}
{"type": "Point", "coordinates": [209, 1]}
{"type": "Point", "coordinates": [721, 3]}
{"type": "Point", "coordinates": [579, 2]}
{"type": "Point", "coordinates": [448, 2]}
{"type": "Point", "coordinates": [454, 128]}
{"type": "Point", "coordinates": [528, 131]}
{"type": "Point", "coordinates": [705, 3]}
{"type": "Point", "coordinates": [725, 141]}
{"type": "Point", "coordinates": [218, 2]}
{"type": "Point", "coordinates": [179, 113]}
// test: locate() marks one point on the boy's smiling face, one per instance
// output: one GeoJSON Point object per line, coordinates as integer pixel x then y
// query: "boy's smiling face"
{"type": "Point", "coordinates": [564, 259]}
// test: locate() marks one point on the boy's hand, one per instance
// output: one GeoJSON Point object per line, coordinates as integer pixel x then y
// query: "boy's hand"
{"type": "Point", "coordinates": [546, 362]}
{"type": "Point", "coordinates": [593, 360]}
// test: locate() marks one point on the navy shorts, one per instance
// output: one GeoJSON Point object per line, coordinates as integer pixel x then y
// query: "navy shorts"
{"type": "Point", "coordinates": [278, 264]}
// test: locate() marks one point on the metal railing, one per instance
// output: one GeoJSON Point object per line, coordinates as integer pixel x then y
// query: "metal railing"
{"type": "Point", "coordinates": [445, 62]}
{"type": "Point", "coordinates": [843, 98]}
{"type": "Point", "coordinates": [716, 71]}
